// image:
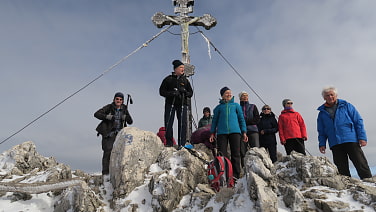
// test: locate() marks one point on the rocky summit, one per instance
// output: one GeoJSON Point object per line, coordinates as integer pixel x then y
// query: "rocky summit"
{"type": "Point", "coordinates": [146, 176]}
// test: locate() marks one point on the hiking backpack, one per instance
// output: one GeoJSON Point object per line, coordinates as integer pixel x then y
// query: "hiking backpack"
{"type": "Point", "coordinates": [220, 173]}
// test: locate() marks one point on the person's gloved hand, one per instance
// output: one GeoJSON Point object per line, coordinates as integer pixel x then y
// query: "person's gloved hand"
{"type": "Point", "coordinates": [176, 93]}
{"type": "Point", "coordinates": [109, 117]}
{"type": "Point", "coordinates": [182, 90]}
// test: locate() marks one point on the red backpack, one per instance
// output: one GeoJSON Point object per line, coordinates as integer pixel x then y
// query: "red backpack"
{"type": "Point", "coordinates": [162, 135]}
{"type": "Point", "coordinates": [220, 173]}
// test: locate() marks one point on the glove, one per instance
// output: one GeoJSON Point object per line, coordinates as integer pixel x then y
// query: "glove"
{"type": "Point", "coordinates": [175, 93]}
{"type": "Point", "coordinates": [182, 90]}
{"type": "Point", "coordinates": [109, 117]}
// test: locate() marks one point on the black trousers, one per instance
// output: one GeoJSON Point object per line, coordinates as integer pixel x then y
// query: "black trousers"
{"type": "Point", "coordinates": [234, 140]}
{"type": "Point", "coordinates": [169, 115]}
{"type": "Point", "coordinates": [107, 144]}
{"type": "Point", "coordinates": [272, 149]}
{"type": "Point", "coordinates": [295, 144]}
{"type": "Point", "coordinates": [352, 150]}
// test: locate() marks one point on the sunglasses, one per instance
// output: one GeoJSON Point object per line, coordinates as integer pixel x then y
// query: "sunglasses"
{"type": "Point", "coordinates": [119, 99]}
{"type": "Point", "coordinates": [265, 108]}
{"type": "Point", "coordinates": [289, 103]}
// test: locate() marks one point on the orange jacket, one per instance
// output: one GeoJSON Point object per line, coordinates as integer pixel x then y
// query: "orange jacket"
{"type": "Point", "coordinates": [291, 125]}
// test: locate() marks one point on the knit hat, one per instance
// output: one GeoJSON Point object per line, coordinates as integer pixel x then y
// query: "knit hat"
{"type": "Point", "coordinates": [223, 90]}
{"type": "Point", "coordinates": [119, 94]}
{"type": "Point", "coordinates": [241, 94]}
{"type": "Point", "coordinates": [285, 101]}
{"type": "Point", "coordinates": [206, 109]}
{"type": "Point", "coordinates": [177, 63]}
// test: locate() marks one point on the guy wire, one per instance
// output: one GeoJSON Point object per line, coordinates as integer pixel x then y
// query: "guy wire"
{"type": "Point", "coordinates": [79, 90]}
{"type": "Point", "coordinates": [232, 67]}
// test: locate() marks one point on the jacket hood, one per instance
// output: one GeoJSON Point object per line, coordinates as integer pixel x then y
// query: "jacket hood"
{"type": "Point", "coordinates": [122, 106]}
{"type": "Point", "coordinates": [224, 102]}
{"type": "Point", "coordinates": [341, 102]}
{"type": "Point", "coordinates": [271, 114]}
{"type": "Point", "coordinates": [244, 103]}
{"type": "Point", "coordinates": [288, 111]}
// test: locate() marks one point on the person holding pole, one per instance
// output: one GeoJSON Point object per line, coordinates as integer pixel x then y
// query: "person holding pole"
{"type": "Point", "coordinates": [114, 117]}
{"type": "Point", "coordinates": [176, 89]}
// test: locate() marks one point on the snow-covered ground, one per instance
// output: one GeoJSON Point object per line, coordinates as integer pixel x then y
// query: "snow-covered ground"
{"type": "Point", "coordinates": [45, 202]}
{"type": "Point", "coordinates": [142, 197]}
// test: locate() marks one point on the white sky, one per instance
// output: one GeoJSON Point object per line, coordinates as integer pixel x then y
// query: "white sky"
{"type": "Point", "coordinates": [284, 49]}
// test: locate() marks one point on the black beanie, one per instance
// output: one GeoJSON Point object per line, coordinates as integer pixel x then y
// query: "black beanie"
{"type": "Point", "coordinates": [177, 63]}
{"type": "Point", "coordinates": [206, 109]}
{"type": "Point", "coordinates": [119, 94]}
{"type": "Point", "coordinates": [223, 90]}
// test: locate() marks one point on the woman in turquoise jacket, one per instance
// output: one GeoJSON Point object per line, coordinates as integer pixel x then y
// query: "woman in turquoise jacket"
{"type": "Point", "coordinates": [341, 124]}
{"type": "Point", "coordinates": [229, 125]}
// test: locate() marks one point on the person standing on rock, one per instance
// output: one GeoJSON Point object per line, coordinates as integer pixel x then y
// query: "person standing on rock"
{"type": "Point", "coordinates": [176, 89]}
{"type": "Point", "coordinates": [268, 127]}
{"type": "Point", "coordinates": [292, 129]}
{"type": "Point", "coordinates": [229, 125]}
{"type": "Point", "coordinates": [114, 116]}
{"type": "Point", "coordinates": [206, 118]}
{"type": "Point", "coordinates": [340, 124]}
{"type": "Point", "coordinates": [252, 118]}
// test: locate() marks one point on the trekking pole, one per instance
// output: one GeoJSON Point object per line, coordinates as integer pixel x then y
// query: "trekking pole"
{"type": "Point", "coordinates": [169, 117]}
{"type": "Point", "coordinates": [181, 120]}
{"type": "Point", "coordinates": [129, 100]}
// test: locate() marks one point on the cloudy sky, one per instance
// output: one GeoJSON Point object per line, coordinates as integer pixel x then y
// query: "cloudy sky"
{"type": "Point", "coordinates": [283, 49]}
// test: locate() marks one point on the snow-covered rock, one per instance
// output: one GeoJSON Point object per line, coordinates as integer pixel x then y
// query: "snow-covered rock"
{"type": "Point", "coordinates": [146, 176]}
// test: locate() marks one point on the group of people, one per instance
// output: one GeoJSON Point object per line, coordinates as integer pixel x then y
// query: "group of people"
{"type": "Point", "coordinates": [241, 126]}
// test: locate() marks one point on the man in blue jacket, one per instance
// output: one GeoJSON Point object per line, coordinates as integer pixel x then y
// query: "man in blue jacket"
{"type": "Point", "coordinates": [341, 124]}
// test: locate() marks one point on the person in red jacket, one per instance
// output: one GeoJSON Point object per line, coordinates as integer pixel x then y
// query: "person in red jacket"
{"type": "Point", "coordinates": [292, 129]}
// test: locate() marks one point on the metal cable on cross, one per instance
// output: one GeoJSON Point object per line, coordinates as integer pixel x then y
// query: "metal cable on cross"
{"type": "Point", "coordinates": [232, 67]}
{"type": "Point", "coordinates": [194, 97]}
{"type": "Point", "coordinates": [101, 75]}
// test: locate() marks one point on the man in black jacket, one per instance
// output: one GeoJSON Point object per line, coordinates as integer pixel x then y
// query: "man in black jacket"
{"type": "Point", "coordinates": [176, 89]}
{"type": "Point", "coordinates": [114, 116]}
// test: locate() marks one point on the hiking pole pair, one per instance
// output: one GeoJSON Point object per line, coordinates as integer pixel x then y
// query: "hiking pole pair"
{"type": "Point", "coordinates": [181, 122]}
{"type": "Point", "coordinates": [129, 100]}
{"type": "Point", "coordinates": [169, 117]}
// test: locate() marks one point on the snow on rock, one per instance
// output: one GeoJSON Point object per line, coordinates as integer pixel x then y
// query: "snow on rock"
{"type": "Point", "coordinates": [146, 176]}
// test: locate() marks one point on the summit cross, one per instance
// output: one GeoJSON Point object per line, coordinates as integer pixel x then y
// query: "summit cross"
{"type": "Point", "coordinates": [183, 8]}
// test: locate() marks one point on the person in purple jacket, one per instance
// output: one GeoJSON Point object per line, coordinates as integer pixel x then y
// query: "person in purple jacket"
{"type": "Point", "coordinates": [340, 124]}
{"type": "Point", "coordinates": [229, 125]}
